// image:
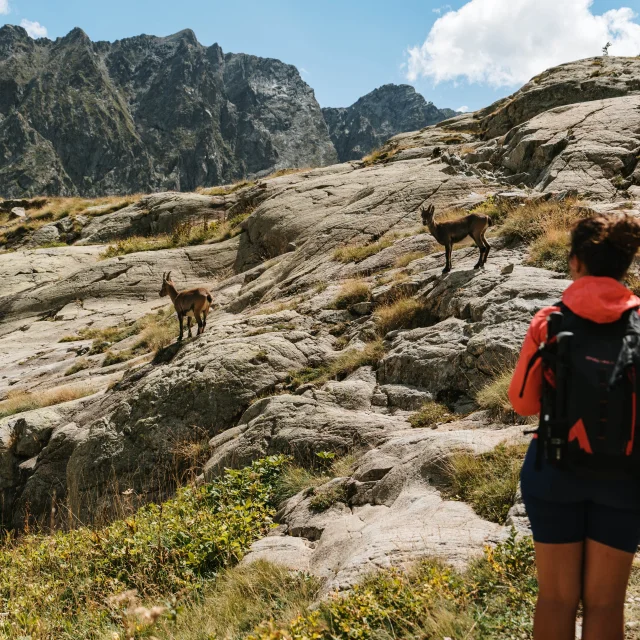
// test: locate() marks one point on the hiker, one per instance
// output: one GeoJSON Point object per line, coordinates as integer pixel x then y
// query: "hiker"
{"type": "Point", "coordinates": [581, 476]}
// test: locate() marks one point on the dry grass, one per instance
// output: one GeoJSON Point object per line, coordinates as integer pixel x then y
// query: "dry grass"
{"type": "Point", "coordinates": [546, 226]}
{"type": "Point", "coordinates": [79, 365]}
{"type": "Point", "coordinates": [430, 414]}
{"type": "Point", "coordinates": [360, 252]}
{"type": "Point", "coordinates": [408, 258]}
{"type": "Point", "coordinates": [488, 482]}
{"type": "Point", "coordinates": [494, 397]}
{"type": "Point", "coordinates": [56, 209]}
{"type": "Point", "coordinates": [405, 313]}
{"type": "Point", "coordinates": [352, 292]}
{"type": "Point", "coordinates": [20, 401]}
{"type": "Point", "coordinates": [277, 307]}
{"type": "Point", "coordinates": [533, 220]}
{"type": "Point", "coordinates": [551, 251]}
{"type": "Point", "coordinates": [632, 281]}
{"type": "Point", "coordinates": [225, 190]}
{"type": "Point", "coordinates": [155, 331]}
{"type": "Point", "coordinates": [241, 599]}
{"type": "Point", "coordinates": [348, 362]}
{"type": "Point", "coordinates": [379, 156]}
{"type": "Point", "coordinates": [186, 234]}
{"type": "Point", "coordinates": [286, 172]}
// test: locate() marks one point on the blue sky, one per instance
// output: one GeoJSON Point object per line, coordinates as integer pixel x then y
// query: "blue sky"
{"type": "Point", "coordinates": [348, 47]}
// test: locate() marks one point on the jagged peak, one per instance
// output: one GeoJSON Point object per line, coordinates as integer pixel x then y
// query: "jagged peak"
{"type": "Point", "coordinates": [187, 35]}
{"type": "Point", "coordinates": [76, 35]}
{"type": "Point", "coordinates": [13, 32]}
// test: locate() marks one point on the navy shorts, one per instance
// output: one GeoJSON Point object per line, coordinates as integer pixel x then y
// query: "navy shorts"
{"type": "Point", "coordinates": [565, 507]}
{"type": "Point", "coordinates": [565, 522]}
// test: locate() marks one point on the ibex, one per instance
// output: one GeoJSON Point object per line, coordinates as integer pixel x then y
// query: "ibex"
{"type": "Point", "coordinates": [193, 303]}
{"type": "Point", "coordinates": [448, 233]}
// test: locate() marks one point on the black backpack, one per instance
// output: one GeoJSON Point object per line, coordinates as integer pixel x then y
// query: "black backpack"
{"type": "Point", "coordinates": [590, 417]}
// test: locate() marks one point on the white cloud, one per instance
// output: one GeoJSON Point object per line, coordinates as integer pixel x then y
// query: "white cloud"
{"type": "Point", "coordinates": [34, 29]}
{"type": "Point", "coordinates": [463, 109]}
{"type": "Point", "coordinates": [4, 7]}
{"type": "Point", "coordinates": [507, 42]}
{"type": "Point", "coordinates": [304, 72]}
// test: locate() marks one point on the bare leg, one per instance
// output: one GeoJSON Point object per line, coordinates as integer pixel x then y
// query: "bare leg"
{"type": "Point", "coordinates": [560, 580]}
{"type": "Point", "coordinates": [606, 577]}
{"type": "Point", "coordinates": [204, 319]}
{"type": "Point", "coordinates": [180, 320]}
{"type": "Point", "coordinates": [189, 321]}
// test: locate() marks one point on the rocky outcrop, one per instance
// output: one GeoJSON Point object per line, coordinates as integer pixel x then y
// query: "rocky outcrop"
{"type": "Point", "coordinates": [591, 148]}
{"type": "Point", "coordinates": [147, 114]}
{"type": "Point", "coordinates": [373, 119]}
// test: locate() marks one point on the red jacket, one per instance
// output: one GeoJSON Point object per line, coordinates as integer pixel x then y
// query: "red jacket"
{"type": "Point", "coordinates": [597, 299]}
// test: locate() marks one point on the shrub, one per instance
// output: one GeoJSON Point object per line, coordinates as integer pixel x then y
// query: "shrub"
{"type": "Point", "coordinates": [161, 551]}
{"type": "Point", "coordinates": [404, 313]}
{"type": "Point", "coordinates": [241, 598]}
{"type": "Point", "coordinates": [494, 397]}
{"type": "Point", "coordinates": [20, 401]}
{"type": "Point", "coordinates": [494, 598]}
{"type": "Point", "coordinates": [408, 258]}
{"type": "Point", "coordinates": [430, 414]}
{"type": "Point", "coordinates": [488, 482]}
{"type": "Point", "coordinates": [352, 292]}
{"type": "Point", "coordinates": [345, 364]}
{"type": "Point", "coordinates": [359, 252]}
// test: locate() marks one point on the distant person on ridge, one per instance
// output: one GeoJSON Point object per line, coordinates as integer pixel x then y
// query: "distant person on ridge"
{"type": "Point", "coordinates": [581, 476]}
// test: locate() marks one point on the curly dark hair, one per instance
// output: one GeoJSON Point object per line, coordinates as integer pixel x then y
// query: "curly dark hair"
{"type": "Point", "coordinates": [606, 244]}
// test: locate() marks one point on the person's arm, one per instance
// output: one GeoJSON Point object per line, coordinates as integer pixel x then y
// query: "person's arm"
{"type": "Point", "coordinates": [529, 403]}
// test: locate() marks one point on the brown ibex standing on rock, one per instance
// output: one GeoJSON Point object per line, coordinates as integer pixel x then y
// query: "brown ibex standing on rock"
{"type": "Point", "coordinates": [448, 233]}
{"type": "Point", "coordinates": [193, 303]}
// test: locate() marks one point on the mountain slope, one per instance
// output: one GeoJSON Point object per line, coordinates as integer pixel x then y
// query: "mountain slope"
{"type": "Point", "coordinates": [374, 118]}
{"type": "Point", "coordinates": [146, 114]}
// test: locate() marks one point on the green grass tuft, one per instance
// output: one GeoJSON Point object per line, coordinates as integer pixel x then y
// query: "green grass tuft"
{"type": "Point", "coordinates": [352, 292]}
{"type": "Point", "coordinates": [430, 414]}
{"type": "Point", "coordinates": [345, 364]}
{"type": "Point", "coordinates": [359, 252]}
{"type": "Point", "coordinates": [488, 482]}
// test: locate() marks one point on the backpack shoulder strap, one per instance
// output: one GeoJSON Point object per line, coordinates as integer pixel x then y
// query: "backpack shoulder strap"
{"type": "Point", "coordinates": [630, 353]}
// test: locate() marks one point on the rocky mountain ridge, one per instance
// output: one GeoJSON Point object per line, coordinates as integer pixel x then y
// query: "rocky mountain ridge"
{"type": "Point", "coordinates": [373, 119]}
{"type": "Point", "coordinates": [151, 114]}
{"type": "Point", "coordinates": [147, 114]}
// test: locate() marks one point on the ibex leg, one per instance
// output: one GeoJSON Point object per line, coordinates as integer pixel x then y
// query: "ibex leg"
{"type": "Point", "coordinates": [189, 321]}
{"type": "Point", "coordinates": [180, 320]}
{"type": "Point", "coordinates": [199, 321]}
{"type": "Point", "coordinates": [487, 248]}
{"type": "Point", "coordinates": [448, 250]}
